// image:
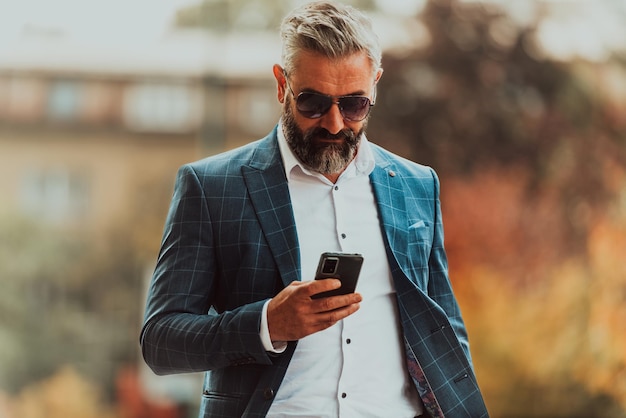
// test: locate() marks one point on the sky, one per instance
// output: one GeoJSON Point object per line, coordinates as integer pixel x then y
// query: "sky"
{"type": "Point", "coordinates": [110, 19]}
{"type": "Point", "coordinates": [587, 28]}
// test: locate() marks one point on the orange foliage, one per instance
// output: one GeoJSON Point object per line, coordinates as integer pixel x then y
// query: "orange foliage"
{"type": "Point", "coordinates": [67, 394]}
{"type": "Point", "coordinates": [64, 395]}
{"type": "Point", "coordinates": [133, 402]}
{"type": "Point", "coordinates": [607, 314]}
{"type": "Point", "coordinates": [547, 327]}
{"type": "Point", "coordinates": [490, 219]}
{"type": "Point", "coordinates": [525, 338]}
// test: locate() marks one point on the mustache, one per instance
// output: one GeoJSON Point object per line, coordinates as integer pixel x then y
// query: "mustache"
{"type": "Point", "coordinates": [323, 133]}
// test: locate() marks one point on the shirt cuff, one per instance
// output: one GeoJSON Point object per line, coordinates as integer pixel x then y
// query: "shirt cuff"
{"type": "Point", "coordinates": [269, 345]}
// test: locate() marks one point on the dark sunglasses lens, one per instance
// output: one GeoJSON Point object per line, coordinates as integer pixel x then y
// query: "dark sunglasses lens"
{"type": "Point", "coordinates": [312, 105]}
{"type": "Point", "coordinates": [354, 108]}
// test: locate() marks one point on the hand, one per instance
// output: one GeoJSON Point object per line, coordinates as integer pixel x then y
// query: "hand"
{"type": "Point", "coordinates": [292, 314]}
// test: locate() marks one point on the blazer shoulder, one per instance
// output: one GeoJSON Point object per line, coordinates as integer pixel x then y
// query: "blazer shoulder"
{"type": "Point", "coordinates": [402, 165]}
{"type": "Point", "coordinates": [260, 153]}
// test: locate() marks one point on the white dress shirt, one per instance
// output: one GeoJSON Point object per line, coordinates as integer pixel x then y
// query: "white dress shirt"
{"type": "Point", "coordinates": [355, 368]}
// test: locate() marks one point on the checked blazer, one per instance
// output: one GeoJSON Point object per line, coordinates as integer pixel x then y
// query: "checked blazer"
{"type": "Point", "coordinates": [230, 244]}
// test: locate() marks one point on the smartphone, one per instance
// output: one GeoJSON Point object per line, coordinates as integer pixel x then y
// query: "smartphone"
{"type": "Point", "coordinates": [343, 266]}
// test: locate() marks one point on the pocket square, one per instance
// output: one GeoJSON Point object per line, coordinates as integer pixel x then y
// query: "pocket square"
{"type": "Point", "coordinates": [418, 224]}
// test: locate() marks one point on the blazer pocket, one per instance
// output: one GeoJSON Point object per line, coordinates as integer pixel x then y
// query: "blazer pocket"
{"type": "Point", "coordinates": [221, 396]}
{"type": "Point", "coordinates": [419, 245]}
{"type": "Point", "coordinates": [419, 233]}
{"type": "Point", "coordinates": [214, 404]}
{"type": "Point", "coordinates": [418, 224]}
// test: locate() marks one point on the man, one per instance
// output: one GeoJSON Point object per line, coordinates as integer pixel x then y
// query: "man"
{"type": "Point", "coordinates": [232, 290]}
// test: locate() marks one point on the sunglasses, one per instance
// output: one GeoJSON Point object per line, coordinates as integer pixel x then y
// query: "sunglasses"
{"type": "Point", "coordinates": [314, 105]}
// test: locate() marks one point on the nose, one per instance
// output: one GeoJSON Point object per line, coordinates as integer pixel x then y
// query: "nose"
{"type": "Point", "coordinates": [333, 121]}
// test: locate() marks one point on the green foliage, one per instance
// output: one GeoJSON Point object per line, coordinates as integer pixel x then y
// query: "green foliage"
{"type": "Point", "coordinates": [64, 301]}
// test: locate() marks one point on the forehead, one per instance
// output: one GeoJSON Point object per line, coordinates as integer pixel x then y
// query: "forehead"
{"type": "Point", "coordinates": [334, 76]}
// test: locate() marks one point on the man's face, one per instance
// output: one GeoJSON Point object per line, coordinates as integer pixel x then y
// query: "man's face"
{"type": "Point", "coordinates": [317, 148]}
{"type": "Point", "coordinates": [326, 144]}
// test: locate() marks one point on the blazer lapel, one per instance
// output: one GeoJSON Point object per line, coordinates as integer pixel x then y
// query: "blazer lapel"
{"type": "Point", "coordinates": [389, 195]}
{"type": "Point", "coordinates": [269, 193]}
{"type": "Point", "coordinates": [392, 210]}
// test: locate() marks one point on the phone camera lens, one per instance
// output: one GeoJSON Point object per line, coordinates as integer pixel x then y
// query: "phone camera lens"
{"type": "Point", "coordinates": [330, 266]}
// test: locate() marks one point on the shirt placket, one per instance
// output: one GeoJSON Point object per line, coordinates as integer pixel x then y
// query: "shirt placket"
{"type": "Point", "coordinates": [341, 212]}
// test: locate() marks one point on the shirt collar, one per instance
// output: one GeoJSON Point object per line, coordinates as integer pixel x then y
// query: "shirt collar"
{"type": "Point", "coordinates": [362, 165]}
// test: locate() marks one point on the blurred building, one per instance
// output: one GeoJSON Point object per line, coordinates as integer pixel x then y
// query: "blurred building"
{"type": "Point", "coordinates": [91, 136]}
{"type": "Point", "coordinates": [87, 128]}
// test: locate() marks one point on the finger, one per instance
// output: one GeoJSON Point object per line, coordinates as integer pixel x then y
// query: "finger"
{"type": "Point", "coordinates": [333, 303]}
{"type": "Point", "coordinates": [323, 285]}
{"type": "Point", "coordinates": [330, 318]}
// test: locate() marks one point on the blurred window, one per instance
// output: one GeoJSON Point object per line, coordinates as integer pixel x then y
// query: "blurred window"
{"type": "Point", "coordinates": [64, 100]}
{"type": "Point", "coordinates": [55, 195]}
{"type": "Point", "coordinates": [162, 107]}
{"type": "Point", "coordinates": [257, 111]}
{"type": "Point", "coordinates": [100, 104]}
{"type": "Point", "coordinates": [21, 98]}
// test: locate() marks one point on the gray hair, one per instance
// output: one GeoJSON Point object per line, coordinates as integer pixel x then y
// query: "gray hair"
{"type": "Point", "coordinates": [333, 30]}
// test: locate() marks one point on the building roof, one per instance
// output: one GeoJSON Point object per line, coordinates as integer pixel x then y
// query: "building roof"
{"type": "Point", "coordinates": [180, 53]}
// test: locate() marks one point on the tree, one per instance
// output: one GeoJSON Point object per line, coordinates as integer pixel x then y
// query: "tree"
{"type": "Point", "coordinates": [481, 95]}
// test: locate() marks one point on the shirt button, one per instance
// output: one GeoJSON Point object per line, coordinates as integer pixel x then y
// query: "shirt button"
{"type": "Point", "coordinates": [336, 187]}
{"type": "Point", "coordinates": [268, 393]}
{"type": "Point", "coordinates": [348, 341]}
{"type": "Point", "coordinates": [343, 236]}
{"type": "Point", "coordinates": [343, 395]}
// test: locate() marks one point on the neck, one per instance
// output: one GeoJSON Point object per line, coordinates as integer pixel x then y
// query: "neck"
{"type": "Point", "coordinates": [332, 177]}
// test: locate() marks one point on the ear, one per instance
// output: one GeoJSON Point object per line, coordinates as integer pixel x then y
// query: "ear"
{"type": "Point", "coordinates": [279, 75]}
{"type": "Point", "coordinates": [379, 74]}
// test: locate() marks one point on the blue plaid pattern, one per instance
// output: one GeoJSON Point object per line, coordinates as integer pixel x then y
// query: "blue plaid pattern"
{"type": "Point", "coordinates": [230, 244]}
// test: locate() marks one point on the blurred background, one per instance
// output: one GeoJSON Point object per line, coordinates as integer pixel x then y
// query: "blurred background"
{"type": "Point", "coordinates": [519, 105]}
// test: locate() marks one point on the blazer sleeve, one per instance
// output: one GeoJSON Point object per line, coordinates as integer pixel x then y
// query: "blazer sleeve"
{"type": "Point", "coordinates": [181, 332]}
